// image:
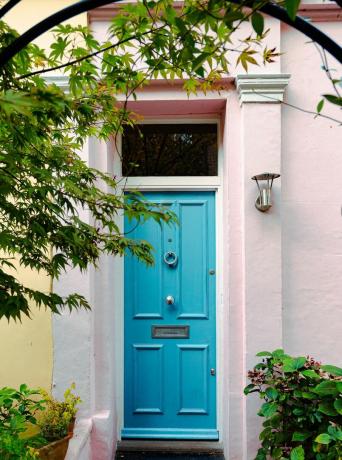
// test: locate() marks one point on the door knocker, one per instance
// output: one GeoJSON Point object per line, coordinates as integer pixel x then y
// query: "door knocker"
{"type": "Point", "coordinates": [170, 258]}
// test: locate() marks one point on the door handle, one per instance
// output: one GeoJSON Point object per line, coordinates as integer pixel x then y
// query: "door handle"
{"type": "Point", "coordinates": [170, 300]}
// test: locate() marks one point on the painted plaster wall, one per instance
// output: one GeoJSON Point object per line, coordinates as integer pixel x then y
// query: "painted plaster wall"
{"type": "Point", "coordinates": [30, 12]}
{"type": "Point", "coordinates": [311, 206]}
{"type": "Point", "coordinates": [26, 349]}
{"type": "Point", "coordinates": [278, 267]}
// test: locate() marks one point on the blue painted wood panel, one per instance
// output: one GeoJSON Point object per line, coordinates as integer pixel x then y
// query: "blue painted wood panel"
{"type": "Point", "coordinates": [170, 391]}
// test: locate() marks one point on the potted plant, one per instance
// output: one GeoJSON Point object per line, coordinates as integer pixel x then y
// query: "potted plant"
{"type": "Point", "coordinates": [56, 424]}
{"type": "Point", "coordinates": [34, 425]}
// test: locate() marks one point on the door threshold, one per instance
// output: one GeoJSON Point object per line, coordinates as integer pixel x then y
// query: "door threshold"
{"type": "Point", "coordinates": [171, 447]}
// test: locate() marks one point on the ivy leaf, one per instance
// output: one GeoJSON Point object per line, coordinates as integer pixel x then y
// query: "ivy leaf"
{"type": "Point", "coordinates": [258, 23]}
{"type": "Point", "coordinates": [297, 453]}
{"type": "Point", "coordinates": [264, 353]}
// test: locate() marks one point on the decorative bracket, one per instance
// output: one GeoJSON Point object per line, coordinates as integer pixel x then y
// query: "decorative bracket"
{"type": "Point", "coordinates": [265, 88]}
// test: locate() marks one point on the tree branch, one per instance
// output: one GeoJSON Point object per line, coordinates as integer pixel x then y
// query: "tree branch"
{"type": "Point", "coordinates": [311, 112]}
{"type": "Point", "coordinates": [83, 58]}
{"type": "Point", "coordinates": [85, 5]}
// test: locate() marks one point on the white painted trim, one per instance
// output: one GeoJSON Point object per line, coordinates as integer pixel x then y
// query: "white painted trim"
{"type": "Point", "coordinates": [79, 444]}
{"type": "Point", "coordinates": [204, 183]}
{"type": "Point", "coordinates": [266, 88]}
{"type": "Point", "coordinates": [59, 80]}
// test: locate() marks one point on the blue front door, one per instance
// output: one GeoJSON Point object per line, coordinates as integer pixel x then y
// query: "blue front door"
{"type": "Point", "coordinates": [170, 339]}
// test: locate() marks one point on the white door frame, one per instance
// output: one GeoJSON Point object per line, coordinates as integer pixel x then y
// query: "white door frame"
{"type": "Point", "coordinates": [181, 183]}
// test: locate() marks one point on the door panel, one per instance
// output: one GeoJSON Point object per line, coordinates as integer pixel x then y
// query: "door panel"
{"type": "Point", "coordinates": [149, 401]}
{"type": "Point", "coordinates": [193, 246]}
{"type": "Point", "coordinates": [169, 389]}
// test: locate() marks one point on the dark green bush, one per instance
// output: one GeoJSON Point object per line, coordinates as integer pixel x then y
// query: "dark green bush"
{"type": "Point", "coordinates": [302, 407]}
{"type": "Point", "coordinates": [17, 409]}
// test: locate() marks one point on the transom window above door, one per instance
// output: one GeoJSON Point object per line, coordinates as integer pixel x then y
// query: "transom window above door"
{"type": "Point", "coordinates": [170, 150]}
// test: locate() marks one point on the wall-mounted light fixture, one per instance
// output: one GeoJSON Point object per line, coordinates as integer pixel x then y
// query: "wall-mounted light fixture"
{"type": "Point", "coordinates": [264, 182]}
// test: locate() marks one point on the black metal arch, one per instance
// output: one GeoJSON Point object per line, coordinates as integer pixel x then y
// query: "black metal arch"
{"type": "Point", "coordinates": [82, 6]}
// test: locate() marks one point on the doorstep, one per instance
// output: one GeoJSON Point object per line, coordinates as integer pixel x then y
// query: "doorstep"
{"type": "Point", "coordinates": [136, 449]}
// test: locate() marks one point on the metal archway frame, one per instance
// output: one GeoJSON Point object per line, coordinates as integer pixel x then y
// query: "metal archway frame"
{"type": "Point", "coordinates": [82, 6]}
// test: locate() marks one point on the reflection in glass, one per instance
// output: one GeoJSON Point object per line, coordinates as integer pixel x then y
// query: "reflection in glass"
{"type": "Point", "coordinates": [170, 150]}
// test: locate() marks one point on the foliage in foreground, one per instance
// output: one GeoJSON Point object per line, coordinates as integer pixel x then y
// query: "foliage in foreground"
{"type": "Point", "coordinates": [24, 409]}
{"type": "Point", "coordinates": [18, 409]}
{"type": "Point", "coordinates": [56, 212]}
{"type": "Point", "coordinates": [302, 406]}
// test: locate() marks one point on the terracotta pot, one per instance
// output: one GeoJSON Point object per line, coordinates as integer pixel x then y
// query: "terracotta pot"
{"type": "Point", "coordinates": [71, 427]}
{"type": "Point", "coordinates": [55, 450]}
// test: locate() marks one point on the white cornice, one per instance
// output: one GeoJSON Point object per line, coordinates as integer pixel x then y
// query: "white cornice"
{"type": "Point", "coordinates": [266, 88]}
{"type": "Point", "coordinates": [59, 80]}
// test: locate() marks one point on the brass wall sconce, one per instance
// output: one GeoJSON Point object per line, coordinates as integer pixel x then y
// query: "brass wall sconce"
{"type": "Point", "coordinates": [264, 182]}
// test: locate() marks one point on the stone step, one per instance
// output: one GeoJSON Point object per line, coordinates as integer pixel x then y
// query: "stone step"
{"type": "Point", "coordinates": [168, 450]}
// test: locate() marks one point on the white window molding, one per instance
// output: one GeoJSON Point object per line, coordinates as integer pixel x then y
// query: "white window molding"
{"type": "Point", "coordinates": [265, 88]}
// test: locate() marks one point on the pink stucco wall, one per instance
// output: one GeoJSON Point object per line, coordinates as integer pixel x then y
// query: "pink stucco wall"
{"type": "Point", "coordinates": [311, 205]}
{"type": "Point", "coordinates": [282, 270]}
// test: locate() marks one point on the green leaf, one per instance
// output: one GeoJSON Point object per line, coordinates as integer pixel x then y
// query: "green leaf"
{"type": "Point", "coordinates": [308, 395]}
{"type": "Point", "coordinates": [333, 370]}
{"type": "Point", "coordinates": [335, 432]}
{"type": "Point", "coordinates": [337, 100]}
{"type": "Point", "coordinates": [338, 405]}
{"type": "Point", "coordinates": [264, 353]}
{"type": "Point", "coordinates": [268, 409]}
{"type": "Point", "coordinates": [320, 106]}
{"type": "Point", "coordinates": [279, 353]}
{"type": "Point", "coordinates": [328, 387]}
{"type": "Point", "coordinates": [323, 438]}
{"type": "Point", "coordinates": [300, 436]}
{"type": "Point", "coordinates": [248, 388]}
{"type": "Point", "coordinates": [327, 408]}
{"type": "Point", "coordinates": [293, 364]}
{"type": "Point", "coordinates": [310, 373]}
{"type": "Point", "coordinates": [297, 453]}
{"type": "Point", "coordinates": [272, 393]}
{"type": "Point", "coordinates": [292, 7]}
{"type": "Point", "coordinates": [258, 23]}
